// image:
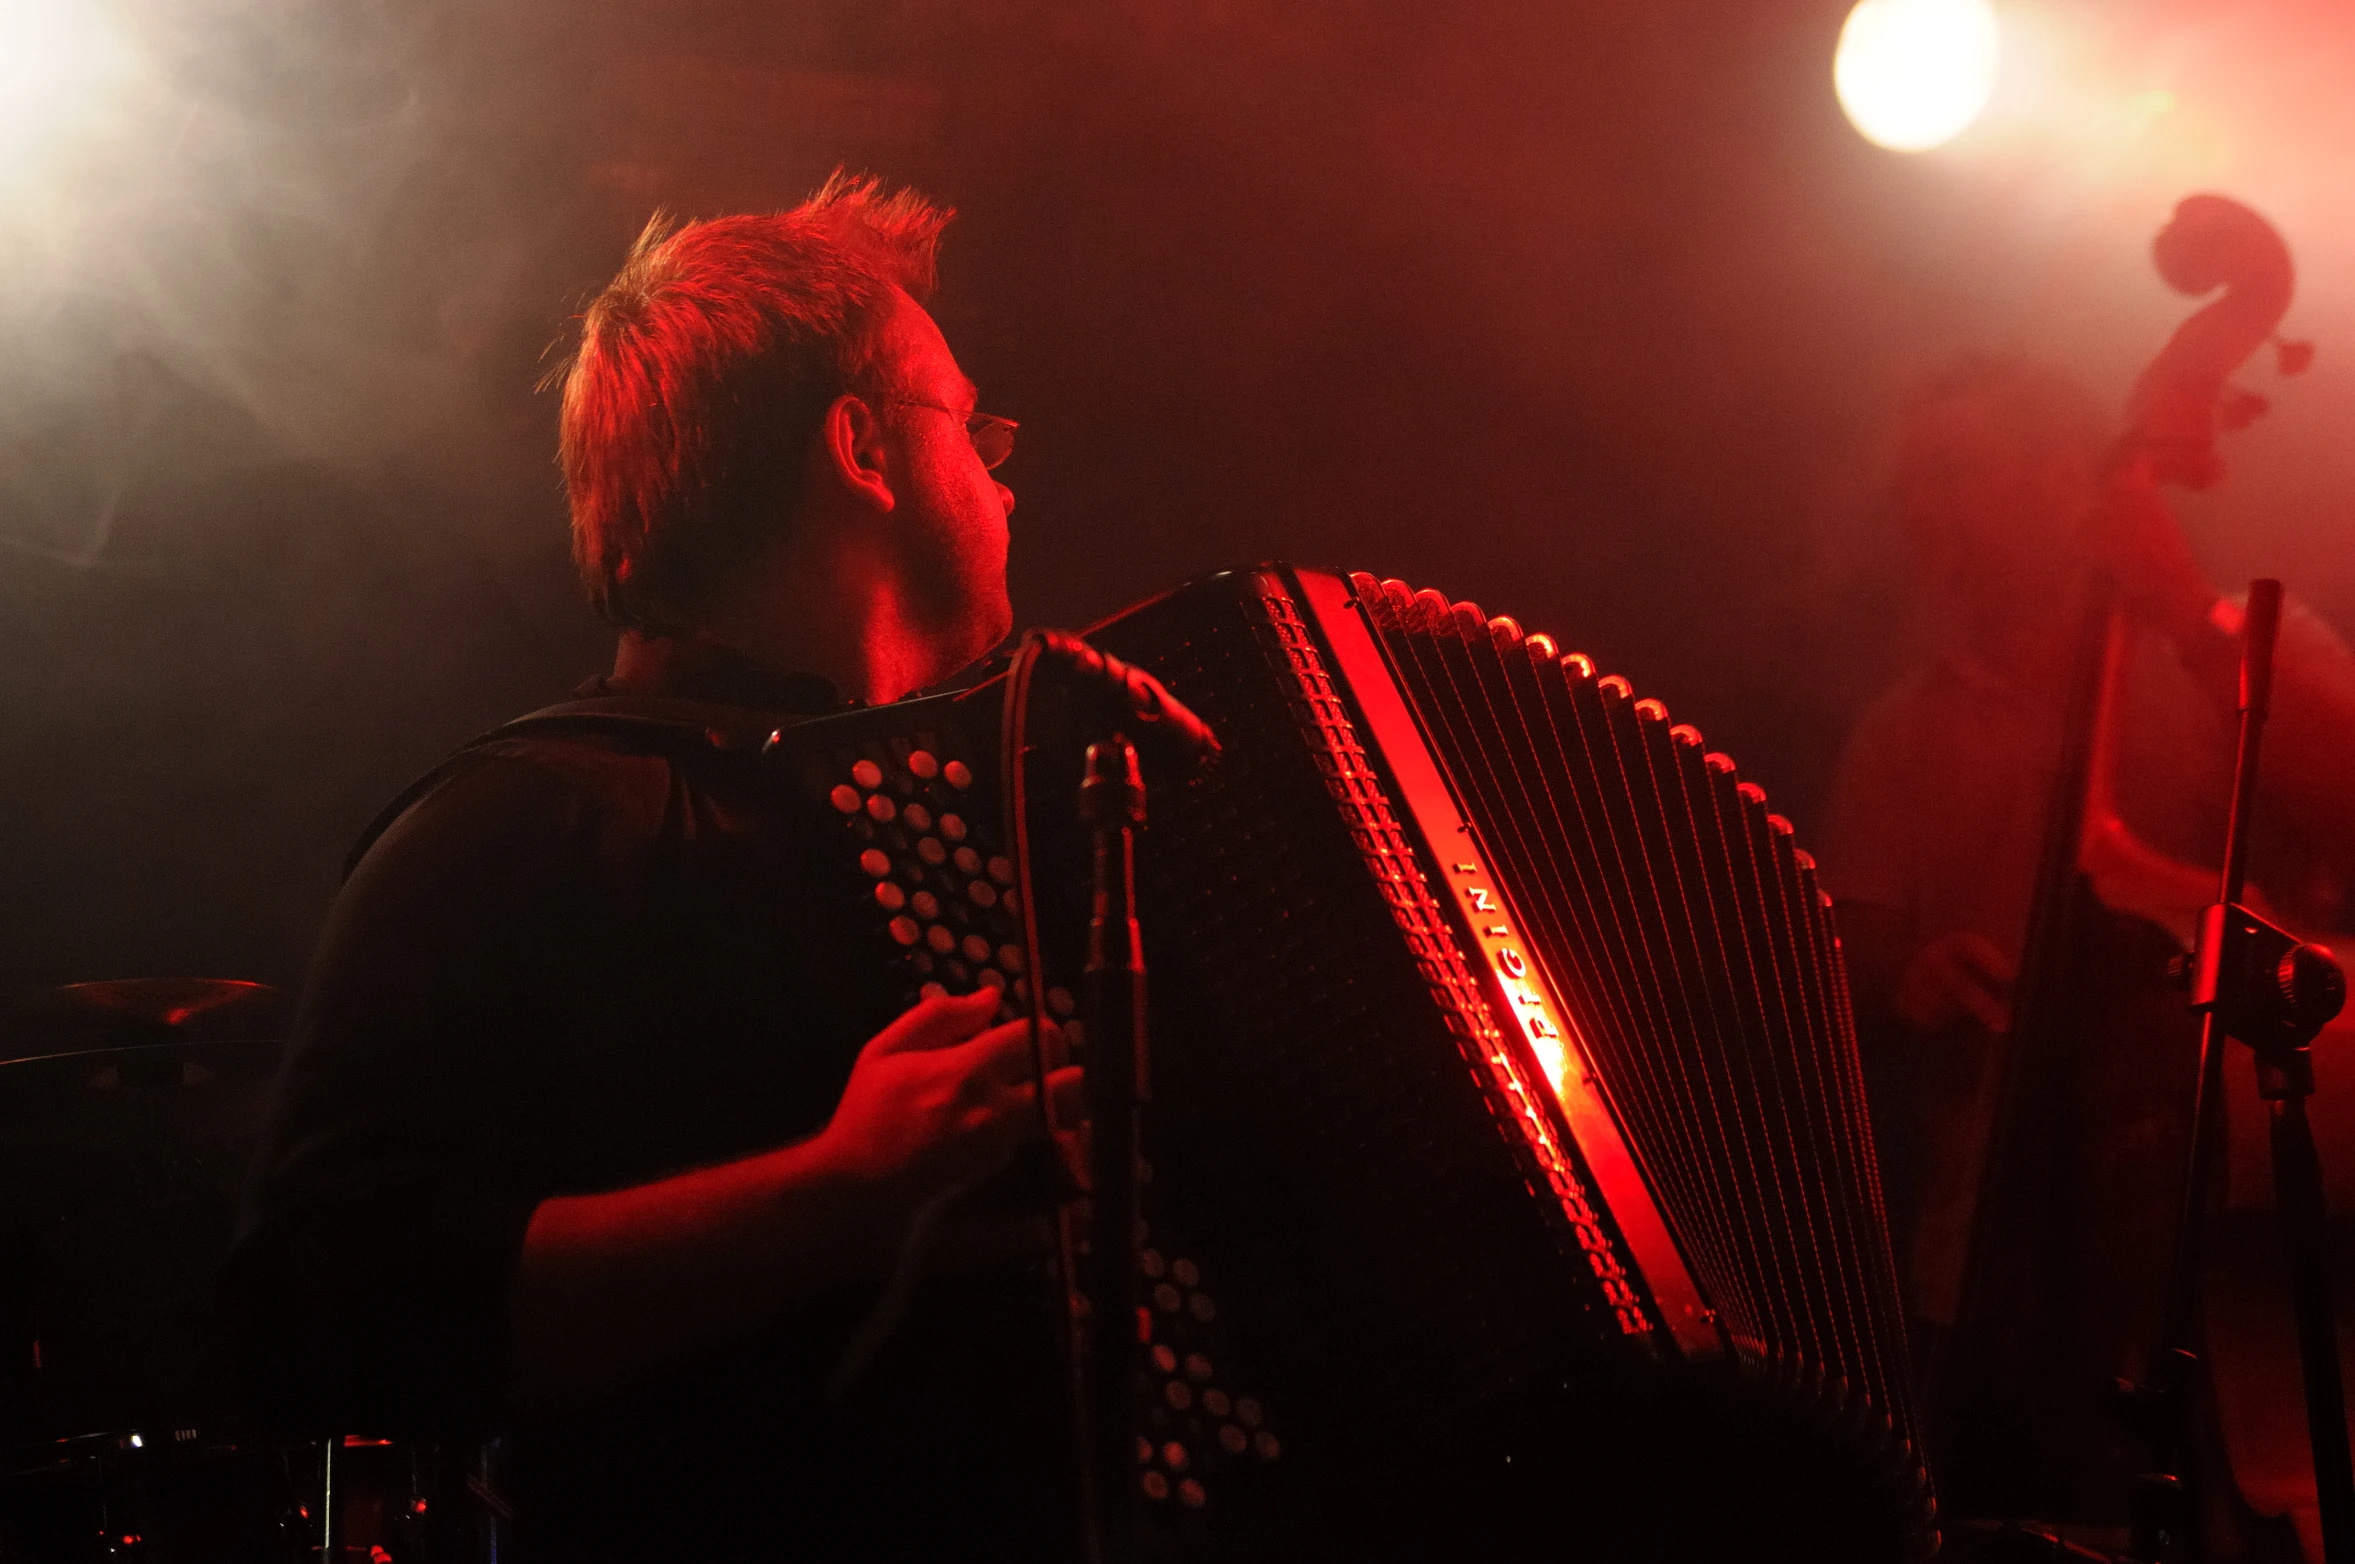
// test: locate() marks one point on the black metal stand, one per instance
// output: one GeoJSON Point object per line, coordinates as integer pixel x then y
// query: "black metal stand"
{"type": "Point", "coordinates": [1104, 1344]}
{"type": "Point", "coordinates": [1112, 804]}
{"type": "Point", "coordinates": [2256, 982]}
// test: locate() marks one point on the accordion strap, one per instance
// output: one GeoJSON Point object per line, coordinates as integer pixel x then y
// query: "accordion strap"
{"type": "Point", "coordinates": [677, 729]}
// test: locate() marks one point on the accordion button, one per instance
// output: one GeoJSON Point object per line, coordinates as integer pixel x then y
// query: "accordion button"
{"type": "Point", "coordinates": [888, 893]}
{"type": "Point", "coordinates": [983, 893]}
{"type": "Point", "coordinates": [929, 849]}
{"type": "Point", "coordinates": [1186, 1273]}
{"type": "Point", "coordinates": [876, 862]}
{"type": "Point", "coordinates": [1058, 999]}
{"type": "Point", "coordinates": [845, 798]}
{"type": "Point", "coordinates": [867, 774]}
{"type": "Point", "coordinates": [1166, 1299]}
{"type": "Point", "coordinates": [1155, 1485]}
{"type": "Point", "coordinates": [1190, 1494]}
{"type": "Point", "coordinates": [959, 775]}
{"type": "Point", "coordinates": [918, 817]}
{"type": "Point", "coordinates": [1012, 904]}
{"type": "Point", "coordinates": [940, 939]}
{"type": "Point", "coordinates": [1268, 1446]}
{"type": "Point", "coordinates": [1010, 957]}
{"type": "Point", "coordinates": [1144, 1451]}
{"type": "Point", "coordinates": [991, 977]}
{"type": "Point", "coordinates": [1197, 1367]}
{"type": "Point", "coordinates": [1165, 1359]}
{"type": "Point", "coordinates": [932, 991]}
{"type": "Point", "coordinates": [925, 904]}
{"type": "Point", "coordinates": [920, 762]}
{"type": "Point", "coordinates": [953, 827]}
{"type": "Point", "coordinates": [904, 930]}
{"type": "Point", "coordinates": [880, 809]}
{"type": "Point", "coordinates": [1230, 1438]}
{"type": "Point", "coordinates": [1002, 870]}
{"type": "Point", "coordinates": [1215, 1402]}
{"type": "Point", "coordinates": [975, 947]}
{"type": "Point", "coordinates": [1179, 1395]}
{"type": "Point", "coordinates": [1247, 1412]}
{"type": "Point", "coordinates": [968, 861]}
{"type": "Point", "coordinates": [1150, 1262]}
{"type": "Point", "coordinates": [1173, 1456]}
{"type": "Point", "coordinates": [1202, 1308]}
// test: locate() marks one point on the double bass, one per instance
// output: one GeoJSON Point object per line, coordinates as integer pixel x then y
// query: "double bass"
{"type": "Point", "coordinates": [2070, 1233]}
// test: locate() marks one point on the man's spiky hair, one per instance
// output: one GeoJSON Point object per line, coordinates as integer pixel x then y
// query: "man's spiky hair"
{"type": "Point", "coordinates": [703, 372]}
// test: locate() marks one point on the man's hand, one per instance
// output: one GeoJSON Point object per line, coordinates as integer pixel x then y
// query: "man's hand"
{"type": "Point", "coordinates": [615, 1289]}
{"type": "Point", "coordinates": [940, 1099]}
{"type": "Point", "coordinates": [1953, 976]}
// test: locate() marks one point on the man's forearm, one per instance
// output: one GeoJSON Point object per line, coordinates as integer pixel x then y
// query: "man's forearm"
{"type": "Point", "coordinates": [614, 1290]}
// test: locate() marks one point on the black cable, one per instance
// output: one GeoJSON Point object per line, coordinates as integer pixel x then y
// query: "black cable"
{"type": "Point", "coordinates": [1013, 755]}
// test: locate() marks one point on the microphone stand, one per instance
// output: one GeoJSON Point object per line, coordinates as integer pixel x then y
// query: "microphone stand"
{"type": "Point", "coordinates": [1104, 1340]}
{"type": "Point", "coordinates": [1119, 1079]}
{"type": "Point", "coordinates": [2254, 981]}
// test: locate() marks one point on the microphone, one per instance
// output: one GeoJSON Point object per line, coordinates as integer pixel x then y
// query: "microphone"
{"type": "Point", "coordinates": [1141, 703]}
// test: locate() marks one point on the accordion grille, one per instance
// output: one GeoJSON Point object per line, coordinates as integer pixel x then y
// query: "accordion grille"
{"type": "Point", "coordinates": [1699, 962]}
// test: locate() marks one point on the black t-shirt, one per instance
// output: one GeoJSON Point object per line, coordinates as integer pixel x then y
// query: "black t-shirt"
{"type": "Point", "coordinates": [583, 959]}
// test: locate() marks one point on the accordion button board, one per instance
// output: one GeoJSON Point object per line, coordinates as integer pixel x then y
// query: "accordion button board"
{"type": "Point", "coordinates": [1504, 1088]}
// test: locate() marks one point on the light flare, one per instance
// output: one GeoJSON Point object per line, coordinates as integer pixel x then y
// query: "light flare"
{"type": "Point", "coordinates": [1914, 74]}
{"type": "Point", "coordinates": [64, 67]}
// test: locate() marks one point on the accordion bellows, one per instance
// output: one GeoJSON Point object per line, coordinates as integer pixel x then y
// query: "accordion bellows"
{"type": "Point", "coordinates": [1509, 1161]}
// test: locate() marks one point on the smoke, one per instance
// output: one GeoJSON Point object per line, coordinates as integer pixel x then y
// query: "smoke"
{"type": "Point", "coordinates": [2109, 116]}
{"type": "Point", "coordinates": [217, 255]}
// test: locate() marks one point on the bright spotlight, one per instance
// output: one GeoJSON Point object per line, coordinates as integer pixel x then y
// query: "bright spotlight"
{"type": "Point", "coordinates": [1912, 74]}
{"type": "Point", "coordinates": [61, 63]}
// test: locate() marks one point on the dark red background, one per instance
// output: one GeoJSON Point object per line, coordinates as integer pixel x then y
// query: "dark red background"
{"type": "Point", "coordinates": [1593, 313]}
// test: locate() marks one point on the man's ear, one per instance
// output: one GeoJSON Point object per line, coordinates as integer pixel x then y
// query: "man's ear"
{"type": "Point", "coordinates": [850, 452]}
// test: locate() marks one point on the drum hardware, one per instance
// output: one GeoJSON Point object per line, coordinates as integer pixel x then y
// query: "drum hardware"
{"type": "Point", "coordinates": [127, 1115]}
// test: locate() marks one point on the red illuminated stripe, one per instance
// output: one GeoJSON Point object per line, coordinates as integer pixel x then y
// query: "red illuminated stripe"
{"type": "Point", "coordinates": [1548, 1042]}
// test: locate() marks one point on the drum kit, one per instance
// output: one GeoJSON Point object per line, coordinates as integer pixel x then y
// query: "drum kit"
{"type": "Point", "coordinates": [128, 1111]}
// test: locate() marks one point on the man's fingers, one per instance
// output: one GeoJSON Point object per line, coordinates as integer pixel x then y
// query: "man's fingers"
{"type": "Point", "coordinates": [1978, 957]}
{"type": "Point", "coordinates": [941, 1022]}
{"type": "Point", "coordinates": [1980, 978]}
{"type": "Point", "coordinates": [1004, 1050]}
{"type": "Point", "coordinates": [1067, 1090]}
{"type": "Point", "coordinates": [1986, 1007]}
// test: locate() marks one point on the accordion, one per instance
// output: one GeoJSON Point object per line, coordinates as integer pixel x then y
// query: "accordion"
{"type": "Point", "coordinates": [1510, 1192]}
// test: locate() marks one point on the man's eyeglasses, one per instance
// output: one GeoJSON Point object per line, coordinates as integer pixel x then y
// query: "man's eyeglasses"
{"type": "Point", "coordinates": [992, 436]}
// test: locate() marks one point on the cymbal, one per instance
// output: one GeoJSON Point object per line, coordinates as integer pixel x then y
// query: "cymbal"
{"type": "Point", "coordinates": [157, 1001]}
{"type": "Point", "coordinates": [143, 1011]}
